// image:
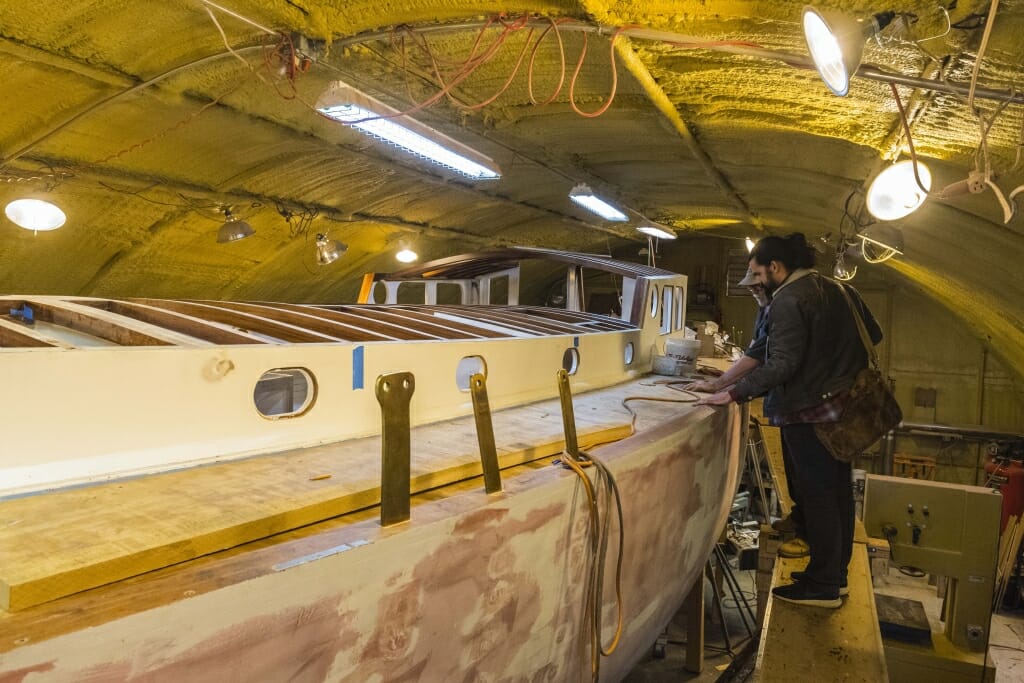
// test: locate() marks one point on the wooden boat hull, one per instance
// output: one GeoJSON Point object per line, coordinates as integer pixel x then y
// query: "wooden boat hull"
{"type": "Point", "coordinates": [473, 588]}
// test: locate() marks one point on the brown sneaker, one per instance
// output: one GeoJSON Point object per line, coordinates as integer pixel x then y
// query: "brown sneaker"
{"type": "Point", "coordinates": [784, 525]}
{"type": "Point", "coordinates": [796, 548]}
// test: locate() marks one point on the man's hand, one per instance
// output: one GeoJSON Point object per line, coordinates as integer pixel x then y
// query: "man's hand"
{"type": "Point", "coordinates": [722, 398]}
{"type": "Point", "coordinates": [704, 386]}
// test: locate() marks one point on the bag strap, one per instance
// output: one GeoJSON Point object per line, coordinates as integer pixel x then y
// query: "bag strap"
{"type": "Point", "coordinates": [864, 337]}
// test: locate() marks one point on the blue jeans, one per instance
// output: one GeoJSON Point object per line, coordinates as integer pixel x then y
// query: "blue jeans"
{"type": "Point", "coordinates": [826, 499]}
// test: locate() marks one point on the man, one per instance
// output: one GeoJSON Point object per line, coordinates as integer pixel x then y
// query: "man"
{"type": "Point", "coordinates": [755, 353]}
{"type": "Point", "coordinates": [814, 354]}
{"type": "Point", "coordinates": [753, 357]}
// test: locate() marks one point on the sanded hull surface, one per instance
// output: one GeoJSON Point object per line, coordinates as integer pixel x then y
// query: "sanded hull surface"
{"type": "Point", "coordinates": [473, 588]}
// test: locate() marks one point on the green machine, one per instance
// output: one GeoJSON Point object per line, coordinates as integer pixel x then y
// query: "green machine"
{"type": "Point", "coordinates": [950, 530]}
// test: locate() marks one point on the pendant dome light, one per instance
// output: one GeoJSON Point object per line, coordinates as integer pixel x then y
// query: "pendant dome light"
{"type": "Point", "coordinates": [35, 214]}
{"type": "Point", "coordinates": [836, 43]}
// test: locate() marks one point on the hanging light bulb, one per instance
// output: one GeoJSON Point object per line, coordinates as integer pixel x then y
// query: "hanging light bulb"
{"type": "Point", "coordinates": [841, 271]}
{"type": "Point", "coordinates": [895, 193]}
{"type": "Point", "coordinates": [836, 43]}
{"type": "Point", "coordinates": [233, 229]}
{"type": "Point", "coordinates": [750, 245]}
{"type": "Point", "coordinates": [35, 214]}
{"type": "Point", "coordinates": [407, 255]}
{"type": "Point", "coordinates": [328, 250]}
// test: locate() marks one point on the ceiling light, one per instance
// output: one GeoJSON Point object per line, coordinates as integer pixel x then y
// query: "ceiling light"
{"type": "Point", "coordinates": [895, 193]}
{"type": "Point", "coordinates": [841, 271]}
{"type": "Point", "coordinates": [750, 244]}
{"type": "Point", "coordinates": [881, 242]}
{"type": "Point", "coordinates": [656, 232]}
{"type": "Point", "coordinates": [585, 197]}
{"type": "Point", "coordinates": [836, 43]}
{"type": "Point", "coordinates": [35, 214]}
{"type": "Point", "coordinates": [344, 103]}
{"type": "Point", "coordinates": [407, 256]}
{"type": "Point", "coordinates": [233, 229]}
{"type": "Point", "coordinates": [328, 250]}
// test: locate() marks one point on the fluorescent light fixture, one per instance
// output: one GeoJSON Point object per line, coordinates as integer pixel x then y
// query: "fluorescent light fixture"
{"type": "Point", "coordinates": [344, 103]}
{"type": "Point", "coordinates": [894, 193]}
{"type": "Point", "coordinates": [836, 43]}
{"type": "Point", "coordinates": [328, 250]}
{"type": "Point", "coordinates": [585, 197]}
{"type": "Point", "coordinates": [750, 245]}
{"type": "Point", "coordinates": [35, 214]}
{"type": "Point", "coordinates": [233, 229]}
{"type": "Point", "coordinates": [880, 242]}
{"type": "Point", "coordinates": [407, 256]}
{"type": "Point", "coordinates": [656, 232]}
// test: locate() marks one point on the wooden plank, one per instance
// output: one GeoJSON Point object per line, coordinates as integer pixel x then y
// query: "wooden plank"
{"type": "Point", "coordinates": [16, 335]}
{"type": "Point", "coordinates": [365, 317]}
{"type": "Point", "coordinates": [67, 541]}
{"type": "Point", "coordinates": [447, 329]}
{"type": "Point", "coordinates": [308, 320]}
{"type": "Point", "coordinates": [184, 324]}
{"type": "Point", "coordinates": [243, 321]}
{"type": "Point", "coordinates": [801, 643]}
{"type": "Point", "coordinates": [93, 322]}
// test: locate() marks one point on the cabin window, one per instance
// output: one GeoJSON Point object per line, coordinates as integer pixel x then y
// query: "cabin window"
{"type": "Point", "coordinates": [654, 301]}
{"type": "Point", "coordinates": [627, 354]}
{"type": "Point", "coordinates": [666, 310]}
{"type": "Point", "coordinates": [678, 323]}
{"type": "Point", "coordinates": [284, 392]}
{"type": "Point", "coordinates": [467, 367]}
{"type": "Point", "coordinates": [378, 293]}
{"type": "Point", "coordinates": [571, 360]}
{"type": "Point", "coordinates": [411, 293]}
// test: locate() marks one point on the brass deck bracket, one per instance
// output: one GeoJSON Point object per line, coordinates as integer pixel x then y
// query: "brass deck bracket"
{"type": "Point", "coordinates": [485, 433]}
{"type": "Point", "coordinates": [572, 446]}
{"type": "Point", "coordinates": [394, 393]}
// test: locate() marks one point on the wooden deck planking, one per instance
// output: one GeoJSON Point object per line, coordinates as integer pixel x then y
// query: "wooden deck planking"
{"type": "Point", "coordinates": [801, 643]}
{"type": "Point", "coordinates": [348, 330]}
{"type": "Point", "coordinates": [244, 321]}
{"type": "Point", "coordinates": [188, 325]}
{"type": "Point", "coordinates": [18, 335]}
{"type": "Point", "coordinates": [60, 543]}
{"type": "Point", "coordinates": [98, 323]}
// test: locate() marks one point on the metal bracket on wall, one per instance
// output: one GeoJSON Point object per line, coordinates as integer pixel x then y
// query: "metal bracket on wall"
{"type": "Point", "coordinates": [572, 446]}
{"type": "Point", "coordinates": [485, 433]}
{"type": "Point", "coordinates": [394, 392]}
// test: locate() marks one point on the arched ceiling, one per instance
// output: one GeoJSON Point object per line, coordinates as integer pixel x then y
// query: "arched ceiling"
{"type": "Point", "coordinates": [141, 124]}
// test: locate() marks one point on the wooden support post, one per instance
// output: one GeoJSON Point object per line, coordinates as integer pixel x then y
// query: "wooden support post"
{"type": "Point", "coordinates": [695, 627]}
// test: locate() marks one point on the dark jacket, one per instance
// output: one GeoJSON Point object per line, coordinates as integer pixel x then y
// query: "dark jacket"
{"type": "Point", "coordinates": [759, 344]}
{"type": "Point", "coordinates": [814, 348]}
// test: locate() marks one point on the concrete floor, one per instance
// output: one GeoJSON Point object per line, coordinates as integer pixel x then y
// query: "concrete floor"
{"type": "Point", "coordinates": [1006, 648]}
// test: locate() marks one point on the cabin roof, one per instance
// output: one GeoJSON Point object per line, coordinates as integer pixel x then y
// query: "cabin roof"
{"type": "Point", "coordinates": [74, 322]}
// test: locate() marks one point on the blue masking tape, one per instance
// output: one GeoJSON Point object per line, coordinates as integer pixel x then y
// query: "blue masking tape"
{"type": "Point", "coordinates": [357, 367]}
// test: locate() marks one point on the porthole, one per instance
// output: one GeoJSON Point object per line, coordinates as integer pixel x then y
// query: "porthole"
{"type": "Point", "coordinates": [627, 354]}
{"type": "Point", "coordinates": [571, 360]}
{"type": "Point", "coordinates": [654, 301]}
{"type": "Point", "coordinates": [467, 367]}
{"type": "Point", "coordinates": [284, 392]}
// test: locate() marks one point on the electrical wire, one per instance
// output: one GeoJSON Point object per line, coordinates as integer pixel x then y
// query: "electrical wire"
{"type": "Point", "coordinates": [981, 52]}
{"type": "Point", "coordinates": [910, 140]}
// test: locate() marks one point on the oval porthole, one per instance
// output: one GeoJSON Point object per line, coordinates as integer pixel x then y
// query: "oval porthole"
{"type": "Point", "coordinates": [654, 301]}
{"type": "Point", "coordinates": [627, 354]}
{"type": "Point", "coordinates": [284, 392]}
{"type": "Point", "coordinates": [467, 367]}
{"type": "Point", "coordinates": [571, 360]}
